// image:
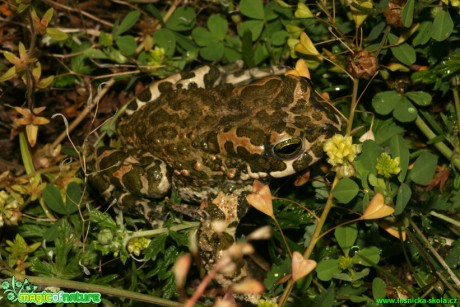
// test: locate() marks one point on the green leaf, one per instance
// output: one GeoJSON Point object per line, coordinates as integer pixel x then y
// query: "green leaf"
{"type": "Point", "coordinates": [442, 25]}
{"type": "Point", "coordinates": [213, 51]}
{"type": "Point", "coordinates": [399, 148]}
{"type": "Point", "coordinates": [377, 182]}
{"type": "Point", "coordinates": [327, 268]}
{"type": "Point", "coordinates": [343, 276]}
{"type": "Point", "coordinates": [183, 19]}
{"type": "Point", "coordinates": [52, 197]}
{"type": "Point", "coordinates": [56, 34]}
{"type": "Point", "coordinates": [279, 38]}
{"type": "Point", "coordinates": [73, 197]}
{"type": "Point", "coordinates": [404, 52]}
{"type": "Point", "coordinates": [261, 53]}
{"type": "Point", "coordinates": [231, 55]}
{"type": "Point", "coordinates": [408, 13]}
{"type": "Point", "coordinates": [405, 111]}
{"type": "Point", "coordinates": [402, 198]}
{"type": "Point", "coordinates": [95, 54]}
{"type": "Point", "coordinates": [185, 42]}
{"type": "Point", "coordinates": [45, 82]}
{"type": "Point", "coordinates": [360, 299]}
{"type": "Point", "coordinates": [424, 168]}
{"type": "Point", "coordinates": [102, 219]}
{"type": "Point", "coordinates": [127, 44]}
{"type": "Point", "coordinates": [66, 265]}
{"type": "Point", "coordinates": [127, 23]}
{"type": "Point", "coordinates": [156, 13]}
{"type": "Point", "coordinates": [202, 36]}
{"type": "Point", "coordinates": [248, 53]}
{"type": "Point", "coordinates": [252, 8]}
{"type": "Point", "coordinates": [272, 10]}
{"type": "Point", "coordinates": [78, 65]}
{"type": "Point", "coordinates": [277, 271]}
{"type": "Point", "coordinates": [385, 102]}
{"type": "Point", "coordinates": [421, 98]}
{"type": "Point", "coordinates": [376, 31]}
{"type": "Point", "coordinates": [433, 122]}
{"type": "Point", "coordinates": [163, 266]}
{"type": "Point", "coordinates": [166, 39]}
{"type": "Point", "coordinates": [9, 74]}
{"type": "Point", "coordinates": [378, 288]}
{"type": "Point", "coordinates": [371, 254]}
{"type": "Point", "coordinates": [423, 34]}
{"type": "Point", "coordinates": [22, 7]}
{"type": "Point", "coordinates": [294, 31]}
{"type": "Point", "coordinates": [169, 288]}
{"type": "Point", "coordinates": [253, 26]}
{"type": "Point", "coordinates": [116, 55]}
{"type": "Point", "coordinates": [351, 290]}
{"type": "Point", "coordinates": [181, 238]}
{"type": "Point", "coordinates": [41, 267]}
{"type": "Point", "coordinates": [358, 275]}
{"type": "Point", "coordinates": [325, 299]}
{"type": "Point", "coordinates": [453, 254]}
{"type": "Point", "coordinates": [345, 190]}
{"type": "Point", "coordinates": [156, 246]}
{"type": "Point", "coordinates": [303, 11]}
{"type": "Point", "coordinates": [385, 130]}
{"type": "Point", "coordinates": [65, 262]}
{"type": "Point", "coordinates": [346, 237]}
{"type": "Point", "coordinates": [218, 25]}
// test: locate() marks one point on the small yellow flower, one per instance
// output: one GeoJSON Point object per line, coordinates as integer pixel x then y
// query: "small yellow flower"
{"type": "Point", "coordinates": [137, 245]}
{"type": "Point", "coordinates": [156, 56]}
{"type": "Point", "coordinates": [345, 262]}
{"type": "Point", "coordinates": [386, 166]}
{"type": "Point", "coordinates": [266, 303]}
{"type": "Point", "coordinates": [20, 63]}
{"type": "Point", "coordinates": [3, 197]}
{"type": "Point", "coordinates": [9, 210]}
{"type": "Point", "coordinates": [341, 150]}
{"type": "Point", "coordinates": [31, 120]}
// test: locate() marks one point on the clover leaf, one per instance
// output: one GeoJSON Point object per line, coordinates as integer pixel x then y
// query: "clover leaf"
{"type": "Point", "coordinates": [211, 40]}
{"type": "Point", "coordinates": [400, 104]}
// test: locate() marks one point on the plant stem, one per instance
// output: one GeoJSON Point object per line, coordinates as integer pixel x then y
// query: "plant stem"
{"type": "Point", "coordinates": [445, 218]}
{"type": "Point", "coordinates": [436, 255]}
{"type": "Point", "coordinates": [30, 169]}
{"type": "Point", "coordinates": [83, 113]}
{"type": "Point", "coordinates": [445, 151]}
{"type": "Point", "coordinates": [330, 200]}
{"type": "Point", "coordinates": [316, 236]}
{"type": "Point", "coordinates": [354, 104]}
{"type": "Point", "coordinates": [155, 232]}
{"type": "Point", "coordinates": [455, 83]}
{"type": "Point", "coordinates": [87, 287]}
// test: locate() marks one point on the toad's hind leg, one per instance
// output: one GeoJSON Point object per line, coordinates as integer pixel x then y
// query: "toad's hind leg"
{"type": "Point", "coordinates": [133, 178]}
{"type": "Point", "coordinates": [216, 238]}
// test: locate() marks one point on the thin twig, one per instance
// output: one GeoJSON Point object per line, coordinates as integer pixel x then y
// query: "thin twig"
{"type": "Point", "coordinates": [84, 13]}
{"type": "Point", "coordinates": [314, 239]}
{"type": "Point", "coordinates": [435, 254]}
{"type": "Point", "coordinates": [83, 114]}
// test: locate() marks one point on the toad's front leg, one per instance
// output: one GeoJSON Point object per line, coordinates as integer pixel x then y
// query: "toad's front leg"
{"type": "Point", "coordinates": [216, 239]}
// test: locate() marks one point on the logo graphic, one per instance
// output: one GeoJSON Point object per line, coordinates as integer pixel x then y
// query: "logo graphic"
{"type": "Point", "coordinates": [25, 292]}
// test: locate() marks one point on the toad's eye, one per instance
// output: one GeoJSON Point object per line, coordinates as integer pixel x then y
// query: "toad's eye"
{"type": "Point", "coordinates": [288, 149]}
